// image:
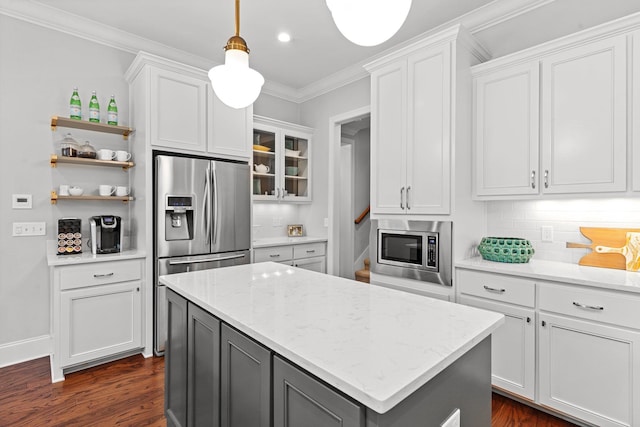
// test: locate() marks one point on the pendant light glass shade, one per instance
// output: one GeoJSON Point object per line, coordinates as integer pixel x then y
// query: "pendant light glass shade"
{"type": "Point", "coordinates": [237, 85]}
{"type": "Point", "coordinates": [369, 22]}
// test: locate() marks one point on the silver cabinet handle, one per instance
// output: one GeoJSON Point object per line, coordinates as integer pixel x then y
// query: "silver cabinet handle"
{"type": "Point", "coordinates": [408, 189]}
{"type": "Point", "coordinates": [274, 255]}
{"type": "Point", "coordinates": [100, 276]}
{"type": "Point", "coordinates": [277, 193]}
{"type": "Point", "coordinates": [533, 179]}
{"type": "Point", "coordinates": [402, 198]}
{"type": "Point", "coordinates": [500, 291]}
{"type": "Point", "coordinates": [546, 179]}
{"type": "Point", "coordinates": [589, 307]}
{"type": "Point", "coordinates": [311, 251]}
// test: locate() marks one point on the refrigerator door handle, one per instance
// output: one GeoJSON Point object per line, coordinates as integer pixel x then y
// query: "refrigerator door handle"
{"type": "Point", "coordinates": [182, 262]}
{"type": "Point", "coordinates": [206, 205]}
{"type": "Point", "coordinates": [215, 206]}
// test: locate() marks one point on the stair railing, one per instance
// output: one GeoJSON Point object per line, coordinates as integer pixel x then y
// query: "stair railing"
{"type": "Point", "coordinates": [364, 213]}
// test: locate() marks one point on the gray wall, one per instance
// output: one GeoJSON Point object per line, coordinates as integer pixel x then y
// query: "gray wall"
{"type": "Point", "coordinates": [362, 178]}
{"type": "Point", "coordinates": [38, 70]}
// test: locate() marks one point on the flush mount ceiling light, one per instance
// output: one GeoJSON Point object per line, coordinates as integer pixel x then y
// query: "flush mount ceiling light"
{"type": "Point", "coordinates": [235, 83]}
{"type": "Point", "coordinates": [369, 22]}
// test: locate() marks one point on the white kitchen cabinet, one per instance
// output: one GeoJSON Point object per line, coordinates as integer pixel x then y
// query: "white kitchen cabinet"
{"type": "Point", "coordinates": [506, 142]}
{"type": "Point", "coordinates": [579, 88]}
{"type": "Point", "coordinates": [513, 344]}
{"type": "Point", "coordinates": [635, 108]}
{"type": "Point", "coordinates": [174, 108]}
{"type": "Point", "coordinates": [310, 256]}
{"type": "Point", "coordinates": [410, 133]}
{"type": "Point", "coordinates": [97, 313]}
{"type": "Point", "coordinates": [281, 161]}
{"type": "Point", "coordinates": [584, 126]}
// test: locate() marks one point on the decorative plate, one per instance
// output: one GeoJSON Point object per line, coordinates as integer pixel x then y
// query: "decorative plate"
{"type": "Point", "coordinates": [261, 148]}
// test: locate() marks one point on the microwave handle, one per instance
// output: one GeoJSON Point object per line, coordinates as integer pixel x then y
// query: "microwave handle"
{"type": "Point", "coordinates": [402, 198]}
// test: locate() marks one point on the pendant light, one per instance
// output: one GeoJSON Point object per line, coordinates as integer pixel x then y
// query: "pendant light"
{"type": "Point", "coordinates": [235, 83]}
{"type": "Point", "coordinates": [369, 22]}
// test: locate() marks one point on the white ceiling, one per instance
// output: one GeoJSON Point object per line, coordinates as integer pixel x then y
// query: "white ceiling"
{"type": "Point", "coordinates": [317, 51]}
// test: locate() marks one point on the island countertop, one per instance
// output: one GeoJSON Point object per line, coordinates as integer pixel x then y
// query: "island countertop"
{"type": "Point", "coordinates": [374, 344]}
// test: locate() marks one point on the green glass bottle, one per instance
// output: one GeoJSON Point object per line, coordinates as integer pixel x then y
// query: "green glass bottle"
{"type": "Point", "coordinates": [112, 112]}
{"type": "Point", "coordinates": [94, 108]}
{"type": "Point", "coordinates": [75, 106]}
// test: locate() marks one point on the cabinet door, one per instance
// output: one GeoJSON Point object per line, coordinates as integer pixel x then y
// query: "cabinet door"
{"type": "Point", "coordinates": [178, 111]}
{"type": "Point", "coordinates": [506, 131]}
{"type": "Point", "coordinates": [318, 264]}
{"type": "Point", "coordinates": [635, 109]}
{"type": "Point", "coordinates": [584, 118]}
{"type": "Point", "coordinates": [301, 401]}
{"type": "Point", "coordinates": [428, 144]}
{"type": "Point", "coordinates": [203, 397]}
{"type": "Point", "coordinates": [266, 162]}
{"type": "Point", "coordinates": [296, 166]}
{"type": "Point", "coordinates": [100, 321]}
{"type": "Point", "coordinates": [512, 347]}
{"type": "Point", "coordinates": [388, 139]}
{"type": "Point", "coordinates": [245, 381]}
{"type": "Point", "coordinates": [175, 361]}
{"type": "Point", "coordinates": [229, 128]}
{"type": "Point", "coordinates": [589, 370]}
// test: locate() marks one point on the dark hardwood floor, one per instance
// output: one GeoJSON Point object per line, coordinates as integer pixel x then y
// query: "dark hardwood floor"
{"type": "Point", "coordinates": [129, 392]}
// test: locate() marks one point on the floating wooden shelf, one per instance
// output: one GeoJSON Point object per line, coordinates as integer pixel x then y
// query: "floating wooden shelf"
{"type": "Point", "coordinates": [55, 197]}
{"type": "Point", "coordinates": [86, 125]}
{"type": "Point", "coordinates": [55, 159]}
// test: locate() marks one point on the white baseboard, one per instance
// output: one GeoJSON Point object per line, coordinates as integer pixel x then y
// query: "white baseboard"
{"type": "Point", "coordinates": [25, 350]}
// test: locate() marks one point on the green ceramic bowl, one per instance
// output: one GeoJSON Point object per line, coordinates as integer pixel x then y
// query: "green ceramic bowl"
{"type": "Point", "coordinates": [506, 249]}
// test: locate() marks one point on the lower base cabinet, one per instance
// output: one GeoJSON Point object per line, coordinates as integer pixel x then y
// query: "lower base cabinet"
{"type": "Point", "coordinates": [299, 400]}
{"type": "Point", "coordinates": [175, 361]}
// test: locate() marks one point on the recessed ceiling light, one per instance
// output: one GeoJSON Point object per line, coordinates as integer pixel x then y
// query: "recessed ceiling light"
{"type": "Point", "coordinates": [284, 37]}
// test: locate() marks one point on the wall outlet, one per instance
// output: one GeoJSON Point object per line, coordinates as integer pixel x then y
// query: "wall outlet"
{"type": "Point", "coordinates": [547, 234]}
{"type": "Point", "coordinates": [453, 420]}
{"type": "Point", "coordinates": [326, 222]}
{"type": "Point", "coordinates": [22, 229]}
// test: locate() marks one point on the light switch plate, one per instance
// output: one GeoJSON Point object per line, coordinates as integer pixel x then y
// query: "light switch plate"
{"type": "Point", "coordinates": [547, 233]}
{"type": "Point", "coordinates": [23, 229]}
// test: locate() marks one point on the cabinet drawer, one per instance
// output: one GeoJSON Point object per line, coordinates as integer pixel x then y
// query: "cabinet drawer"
{"type": "Point", "coordinates": [99, 273]}
{"type": "Point", "coordinates": [308, 250]}
{"type": "Point", "coordinates": [275, 253]}
{"type": "Point", "coordinates": [514, 290]}
{"type": "Point", "coordinates": [604, 306]}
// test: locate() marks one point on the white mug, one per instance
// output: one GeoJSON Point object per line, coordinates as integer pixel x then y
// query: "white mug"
{"type": "Point", "coordinates": [106, 190]}
{"type": "Point", "coordinates": [122, 156]}
{"type": "Point", "coordinates": [106, 154]}
{"type": "Point", "coordinates": [64, 190]}
{"type": "Point", "coordinates": [122, 191]}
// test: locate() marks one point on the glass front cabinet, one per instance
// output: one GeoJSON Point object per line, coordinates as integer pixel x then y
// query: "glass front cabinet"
{"type": "Point", "coordinates": [281, 161]}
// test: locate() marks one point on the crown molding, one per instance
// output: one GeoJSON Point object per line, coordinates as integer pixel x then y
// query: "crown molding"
{"type": "Point", "coordinates": [477, 20]}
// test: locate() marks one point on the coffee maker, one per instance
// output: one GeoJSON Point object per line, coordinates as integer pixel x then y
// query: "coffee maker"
{"type": "Point", "coordinates": [106, 234]}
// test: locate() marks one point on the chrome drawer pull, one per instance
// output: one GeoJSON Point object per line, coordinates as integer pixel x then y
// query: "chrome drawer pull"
{"type": "Point", "coordinates": [274, 255]}
{"type": "Point", "coordinates": [99, 276]}
{"type": "Point", "coordinates": [589, 307]}
{"type": "Point", "coordinates": [311, 251]}
{"type": "Point", "coordinates": [500, 291]}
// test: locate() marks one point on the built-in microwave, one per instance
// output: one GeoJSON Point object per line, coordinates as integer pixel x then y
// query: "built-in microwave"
{"type": "Point", "coordinates": [419, 250]}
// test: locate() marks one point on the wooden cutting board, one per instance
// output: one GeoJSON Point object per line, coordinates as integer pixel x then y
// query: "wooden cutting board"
{"type": "Point", "coordinates": [606, 237]}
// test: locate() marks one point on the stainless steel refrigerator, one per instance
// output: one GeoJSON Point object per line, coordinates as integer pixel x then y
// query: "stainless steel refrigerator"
{"type": "Point", "coordinates": [202, 221]}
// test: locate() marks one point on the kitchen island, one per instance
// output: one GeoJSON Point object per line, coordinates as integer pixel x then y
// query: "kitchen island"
{"type": "Point", "coordinates": [276, 342]}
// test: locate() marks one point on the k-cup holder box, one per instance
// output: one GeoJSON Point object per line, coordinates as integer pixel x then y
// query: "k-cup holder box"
{"type": "Point", "coordinates": [69, 236]}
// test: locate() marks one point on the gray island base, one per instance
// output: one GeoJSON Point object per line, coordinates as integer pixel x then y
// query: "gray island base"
{"type": "Point", "coordinates": [235, 355]}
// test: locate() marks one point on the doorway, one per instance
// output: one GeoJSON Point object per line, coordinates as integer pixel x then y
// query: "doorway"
{"type": "Point", "coordinates": [349, 173]}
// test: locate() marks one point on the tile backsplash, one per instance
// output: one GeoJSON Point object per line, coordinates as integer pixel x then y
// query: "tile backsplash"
{"type": "Point", "coordinates": [526, 218]}
{"type": "Point", "coordinates": [271, 219]}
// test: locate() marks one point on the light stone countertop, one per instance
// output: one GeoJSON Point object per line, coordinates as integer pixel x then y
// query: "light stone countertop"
{"type": "Point", "coordinates": [55, 260]}
{"type": "Point", "coordinates": [604, 278]}
{"type": "Point", "coordinates": [375, 344]}
{"type": "Point", "coordinates": [281, 241]}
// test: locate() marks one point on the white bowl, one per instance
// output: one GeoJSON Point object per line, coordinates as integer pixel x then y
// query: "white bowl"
{"type": "Point", "coordinates": [294, 153]}
{"type": "Point", "coordinates": [76, 191]}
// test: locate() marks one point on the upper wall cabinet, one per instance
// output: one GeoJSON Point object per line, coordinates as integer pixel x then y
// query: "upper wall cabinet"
{"type": "Point", "coordinates": [412, 122]}
{"type": "Point", "coordinates": [184, 113]}
{"type": "Point", "coordinates": [635, 108]}
{"type": "Point", "coordinates": [553, 119]}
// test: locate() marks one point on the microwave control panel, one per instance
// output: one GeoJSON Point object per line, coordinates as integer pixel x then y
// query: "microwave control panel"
{"type": "Point", "coordinates": [432, 251]}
